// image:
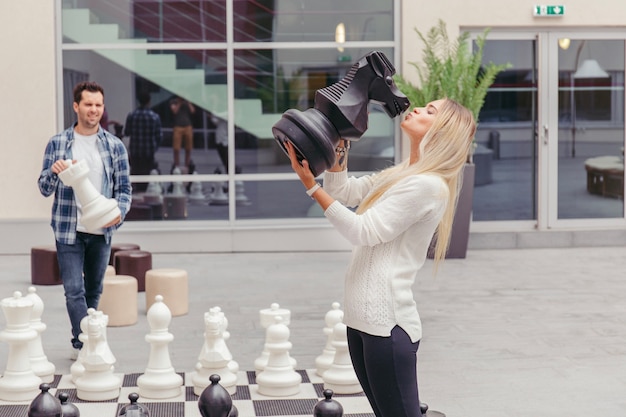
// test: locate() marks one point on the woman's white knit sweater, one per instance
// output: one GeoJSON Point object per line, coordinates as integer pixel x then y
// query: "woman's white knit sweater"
{"type": "Point", "coordinates": [391, 241]}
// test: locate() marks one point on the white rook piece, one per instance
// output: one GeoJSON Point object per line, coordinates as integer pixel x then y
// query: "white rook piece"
{"type": "Point", "coordinates": [97, 210]}
{"type": "Point", "coordinates": [19, 382]}
{"type": "Point", "coordinates": [267, 316]}
{"type": "Point", "coordinates": [323, 361]}
{"type": "Point", "coordinates": [42, 367]}
{"type": "Point", "coordinates": [160, 380]}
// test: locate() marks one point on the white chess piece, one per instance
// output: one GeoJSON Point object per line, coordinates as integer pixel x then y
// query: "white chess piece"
{"type": "Point", "coordinates": [19, 382]}
{"type": "Point", "coordinates": [154, 191]}
{"type": "Point", "coordinates": [42, 367]}
{"type": "Point", "coordinates": [177, 186]}
{"type": "Point", "coordinates": [240, 196]}
{"type": "Point", "coordinates": [98, 382]}
{"type": "Point", "coordinates": [160, 380]}
{"type": "Point", "coordinates": [340, 377]}
{"type": "Point", "coordinates": [323, 361]}
{"type": "Point", "coordinates": [232, 365]}
{"type": "Point", "coordinates": [218, 197]}
{"type": "Point", "coordinates": [215, 355]}
{"type": "Point", "coordinates": [195, 191]}
{"type": "Point", "coordinates": [267, 316]}
{"type": "Point", "coordinates": [278, 379]}
{"type": "Point", "coordinates": [97, 210]}
{"type": "Point", "coordinates": [77, 369]}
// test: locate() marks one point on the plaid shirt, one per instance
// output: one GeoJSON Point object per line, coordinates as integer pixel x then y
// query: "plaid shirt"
{"type": "Point", "coordinates": [144, 128]}
{"type": "Point", "coordinates": [115, 182]}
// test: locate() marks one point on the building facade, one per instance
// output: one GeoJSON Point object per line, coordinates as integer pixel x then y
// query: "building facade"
{"type": "Point", "coordinates": [550, 144]}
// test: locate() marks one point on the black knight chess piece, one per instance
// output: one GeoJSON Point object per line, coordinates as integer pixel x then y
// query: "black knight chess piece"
{"type": "Point", "coordinates": [134, 409]}
{"type": "Point", "coordinates": [67, 408]}
{"type": "Point", "coordinates": [341, 111]}
{"type": "Point", "coordinates": [328, 407]}
{"type": "Point", "coordinates": [45, 404]}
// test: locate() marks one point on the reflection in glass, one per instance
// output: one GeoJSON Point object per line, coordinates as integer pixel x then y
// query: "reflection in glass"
{"type": "Point", "coordinates": [312, 20]}
{"type": "Point", "coordinates": [591, 129]}
{"type": "Point", "coordinates": [505, 157]}
{"type": "Point", "coordinates": [110, 21]}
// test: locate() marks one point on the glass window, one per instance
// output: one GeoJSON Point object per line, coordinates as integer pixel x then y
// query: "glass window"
{"type": "Point", "coordinates": [505, 156]}
{"type": "Point", "coordinates": [106, 21]}
{"type": "Point", "coordinates": [192, 68]}
{"type": "Point", "coordinates": [312, 20]}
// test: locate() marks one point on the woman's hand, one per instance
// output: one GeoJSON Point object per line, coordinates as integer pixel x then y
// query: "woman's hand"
{"type": "Point", "coordinates": [302, 169]}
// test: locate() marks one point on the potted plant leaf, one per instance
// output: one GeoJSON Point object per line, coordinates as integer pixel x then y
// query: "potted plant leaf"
{"type": "Point", "coordinates": [453, 68]}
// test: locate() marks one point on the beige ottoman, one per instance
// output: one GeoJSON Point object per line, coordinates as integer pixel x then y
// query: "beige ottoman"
{"type": "Point", "coordinates": [172, 284]}
{"type": "Point", "coordinates": [109, 271]}
{"type": "Point", "coordinates": [119, 300]}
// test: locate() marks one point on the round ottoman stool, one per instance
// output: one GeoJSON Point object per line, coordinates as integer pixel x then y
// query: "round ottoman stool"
{"type": "Point", "coordinates": [172, 284]}
{"type": "Point", "coordinates": [119, 300]}
{"type": "Point", "coordinates": [134, 263]}
{"type": "Point", "coordinates": [119, 247]}
{"type": "Point", "coordinates": [44, 266]}
{"type": "Point", "coordinates": [109, 271]}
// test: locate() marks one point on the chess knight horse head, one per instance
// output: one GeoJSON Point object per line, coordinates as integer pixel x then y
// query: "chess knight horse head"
{"type": "Point", "coordinates": [341, 111]}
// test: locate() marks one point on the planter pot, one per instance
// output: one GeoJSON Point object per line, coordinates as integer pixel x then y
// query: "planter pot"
{"type": "Point", "coordinates": [462, 218]}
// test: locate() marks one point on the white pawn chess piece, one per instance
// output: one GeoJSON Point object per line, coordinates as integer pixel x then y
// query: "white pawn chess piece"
{"type": "Point", "coordinates": [215, 355]}
{"type": "Point", "coordinates": [240, 196]}
{"type": "Point", "coordinates": [340, 377]}
{"type": "Point", "coordinates": [323, 361]}
{"type": "Point", "coordinates": [195, 192]}
{"type": "Point", "coordinates": [160, 380]}
{"type": "Point", "coordinates": [98, 382]}
{"type": "Point", "coordinates": [267, 316]}
{"type": "Point", "coordinates": [96, 209]}
{"type": "Point", "coordinates": [177, 187]}
{"type": "Point", "coordinates": [42, 367]}
{"type": "Point", "coordinates": [279, 378]}
{"type": "Point", "coordinates": [218, 196]}
{"type": "Point", "coordinates": [19, 382]}
{"type": "Point", "coordinates": [154, 191]}
{"type": "Point", "coordinates": [77, 369]}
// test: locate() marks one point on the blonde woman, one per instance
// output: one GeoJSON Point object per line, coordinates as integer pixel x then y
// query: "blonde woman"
{"type": "Point", "coordinates": [398, 211]}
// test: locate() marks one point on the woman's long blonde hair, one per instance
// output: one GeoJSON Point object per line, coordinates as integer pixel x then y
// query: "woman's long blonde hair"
{"type": "Point", "coordinates": [443, 152]}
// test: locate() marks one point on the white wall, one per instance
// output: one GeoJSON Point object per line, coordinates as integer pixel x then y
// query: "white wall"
{"type": "Point", "coordinates": [27, 104]}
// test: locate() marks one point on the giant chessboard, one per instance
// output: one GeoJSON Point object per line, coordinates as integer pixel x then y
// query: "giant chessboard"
{"type": "Point", "coordinates": [248, 401]}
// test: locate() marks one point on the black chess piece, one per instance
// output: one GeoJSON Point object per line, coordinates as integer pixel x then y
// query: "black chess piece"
{"type": "Point", "coordinates": [423, 408]}
{"type": "Point", "coordinates": [328, 407]}
{"type": "Point", "coordinates": [67, 408]}
{"type": "Point", "coordinates": [215, 401]}
{"type": "Point", "coordinates": [45, 404]}
{"type": "Point", "coordinates": [134, 409]}
{"type": "Point", "coordinates": [234, 412]}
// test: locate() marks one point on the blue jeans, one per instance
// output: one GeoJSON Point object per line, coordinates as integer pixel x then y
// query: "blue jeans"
{"type": "Point", "coordinates": [387, 370]}
{"type": "Point", "coordinates": [82, 267]}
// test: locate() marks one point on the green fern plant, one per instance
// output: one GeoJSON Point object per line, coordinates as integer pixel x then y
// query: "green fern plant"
{"type": "Point", "coordinates": [451, 69]}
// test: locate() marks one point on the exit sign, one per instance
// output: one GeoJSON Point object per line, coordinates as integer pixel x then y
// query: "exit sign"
{"type": "Point", "coordinates": [551, 11]}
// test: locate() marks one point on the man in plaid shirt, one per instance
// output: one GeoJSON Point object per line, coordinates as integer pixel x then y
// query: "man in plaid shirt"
{"type": "Point", "coordinates": [84, 255]}
{"type": "Point", "coordinates": [143, 126]}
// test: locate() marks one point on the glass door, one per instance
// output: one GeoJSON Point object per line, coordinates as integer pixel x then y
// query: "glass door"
{"type": "Point", "coordinates": [586, 116]}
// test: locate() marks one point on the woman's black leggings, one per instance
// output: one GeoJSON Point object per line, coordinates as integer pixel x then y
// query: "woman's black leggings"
{"type": "Point", "coordinates": [387, 370]}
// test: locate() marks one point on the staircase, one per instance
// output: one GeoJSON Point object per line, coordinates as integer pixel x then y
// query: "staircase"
{"type": "Point", "coordinates": [80, 26]}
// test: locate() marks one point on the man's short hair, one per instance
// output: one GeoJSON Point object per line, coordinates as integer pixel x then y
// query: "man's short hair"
{"type": "Point", "coordinates": [90, 86]}
{"type": "Point", "coordinates": [144, 98]}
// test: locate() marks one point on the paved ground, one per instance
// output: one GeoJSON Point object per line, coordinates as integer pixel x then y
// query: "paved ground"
{"type": "Point", "coordinates": [507, 333]}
